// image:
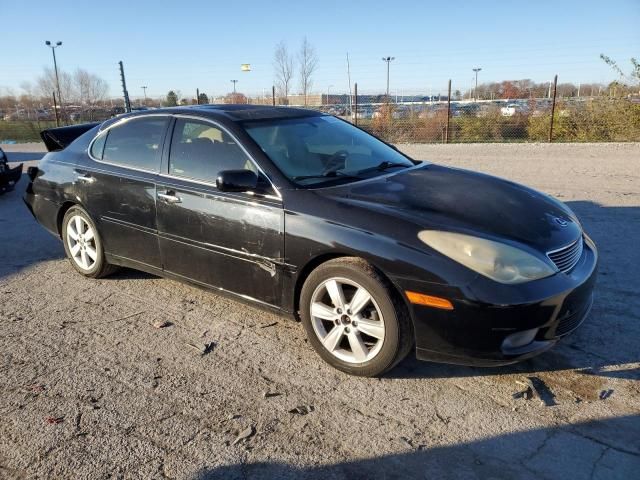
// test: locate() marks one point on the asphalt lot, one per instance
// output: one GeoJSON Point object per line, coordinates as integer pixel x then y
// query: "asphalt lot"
{"type": "Point", "coordinates": [89, 388]}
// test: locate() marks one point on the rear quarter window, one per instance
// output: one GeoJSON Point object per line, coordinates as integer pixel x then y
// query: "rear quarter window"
{"type": "Point", "coordinates": [97, 147]}
{"type": "Point", "coordinates": [136, 143]}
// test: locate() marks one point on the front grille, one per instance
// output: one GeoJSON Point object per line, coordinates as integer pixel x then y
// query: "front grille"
{"type": "Point", "coordinates": [569, 324]}
{"type": "Point", "coordinates": [566, 258]}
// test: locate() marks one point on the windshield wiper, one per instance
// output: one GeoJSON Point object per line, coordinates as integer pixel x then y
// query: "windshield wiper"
{"type": "Point", "coordinates": [382, 166]}
{"type": "Point", "coordinates": [327, 175]}
{"type": "Point", "coordinates": [334, 173]}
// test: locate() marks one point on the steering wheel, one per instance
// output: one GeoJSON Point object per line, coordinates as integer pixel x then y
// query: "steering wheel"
{"type": "Point", "coordinates": [333, 162]}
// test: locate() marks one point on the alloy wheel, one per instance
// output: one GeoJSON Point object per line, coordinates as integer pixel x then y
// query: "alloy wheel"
{"type": "Point", "coordinates": [347, 320]}
{"type": "Point", "coordinates": [81, 242]}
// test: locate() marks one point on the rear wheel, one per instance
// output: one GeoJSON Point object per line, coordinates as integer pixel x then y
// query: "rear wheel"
{"type": "Point", "coordinates": [354, 319]}
{"type": "Point", "coordinates": [83, 245]}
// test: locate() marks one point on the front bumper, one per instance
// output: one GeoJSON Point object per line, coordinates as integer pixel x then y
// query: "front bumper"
{"type": "Point", "coordinates": [486, 313]}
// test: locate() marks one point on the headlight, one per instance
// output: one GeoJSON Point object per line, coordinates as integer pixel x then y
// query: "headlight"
{"type": "Point", "coordinates": [498, 261]}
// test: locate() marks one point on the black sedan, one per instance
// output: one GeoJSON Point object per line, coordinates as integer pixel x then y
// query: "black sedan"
{"type": "Point", "coordinates": [306, 214]}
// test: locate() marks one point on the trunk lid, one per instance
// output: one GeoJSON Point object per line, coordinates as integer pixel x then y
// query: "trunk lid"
{"type": "Point", "coordinates": [56, 139]}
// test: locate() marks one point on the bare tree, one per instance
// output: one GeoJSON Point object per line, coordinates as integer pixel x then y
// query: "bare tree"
{"type": "Point", "coordinates": [89, 89]}
{"type": "Point", "coordinates": [46, 84]}
{"type": "Point", "coordinates": [307, 62]}
{"type": "Point", "coordinates": [283, 66]}
{"type": "Point", "coordinates": [631, 79]}
{"type": "Point", "coordinates": [235, 97]}
{"type": "Point", "coordinates": [28, 100]}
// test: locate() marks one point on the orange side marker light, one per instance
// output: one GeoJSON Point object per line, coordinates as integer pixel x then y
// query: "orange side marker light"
{"type": "Point", "coordinates": [428, 300]}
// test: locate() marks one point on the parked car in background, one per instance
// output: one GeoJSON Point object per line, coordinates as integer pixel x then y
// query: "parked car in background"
{"type": "Point", "coordinates": [8, 176]}
{"type": "Point", "coordinates": [16, 115]}
{"type": "Point", "coordinates": [486, 109]}
{"type": "Point", "coordinates": [364, 112]}
{"type": "Point", "coordinates": [469, 109]}
{"type": "Point", "coordinates": [338, 110]}
{"type": "Point", "coordinates": [115, 111]}
{"type": "Point", "coordinates": [306, 214]}
{"type": "Point", "coordinates": [401, 112]}
{"type": "Point", "coordinates": [432, 111]}
{"type": "Point", "coordinates": [510, 110]}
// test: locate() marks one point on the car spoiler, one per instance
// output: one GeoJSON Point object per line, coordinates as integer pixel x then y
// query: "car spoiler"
{"type": "Point", "coordinates": [59, 138]}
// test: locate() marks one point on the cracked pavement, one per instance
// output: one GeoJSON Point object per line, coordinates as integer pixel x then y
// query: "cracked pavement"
{"type": "Point", "coordinates": [89, 388]}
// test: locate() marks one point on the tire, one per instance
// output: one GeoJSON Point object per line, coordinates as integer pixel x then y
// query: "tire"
{"type": "Point", "coordinates": [381, 324]}
{"type": "Point", "coordinates": [81, 250]}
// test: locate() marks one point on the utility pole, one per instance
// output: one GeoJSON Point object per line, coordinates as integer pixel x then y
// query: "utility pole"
{"type": "Point", "coordinates": [127, 104]}
{"type": "Point", "coordinates": [328, 88]}
{"type": "Point", "coordinates": [355, 113]}
{"type": "Point", "coordinates": [55, 68]}
{"type": "Point", "coordinates": [144, 89]}
{"type": "Point", "coordinates": [446, 134]}
{"type": "Point", "coordinates": [553, 107]}
{"type": "Point", "coordinates": [55, 109]}
{"type": "Point", "coordinates": [475, 92]}
{"type": "Point", "coordinates": [349, 79]}
{"type": "Point", "coordinates": [388, 60]}
{"type": "Point", "coordinates": [234, 85]}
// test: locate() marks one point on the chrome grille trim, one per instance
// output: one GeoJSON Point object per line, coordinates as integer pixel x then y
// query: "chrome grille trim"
{"type": "Point", "coordinates": [567, 257]}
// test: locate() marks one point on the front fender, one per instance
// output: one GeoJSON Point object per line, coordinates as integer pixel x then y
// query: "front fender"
{"type": "Point", "coordinates": [310, 237]}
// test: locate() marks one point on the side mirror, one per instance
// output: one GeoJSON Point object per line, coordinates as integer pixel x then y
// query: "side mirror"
{"type": "Point", "coordinates": [237, 181]}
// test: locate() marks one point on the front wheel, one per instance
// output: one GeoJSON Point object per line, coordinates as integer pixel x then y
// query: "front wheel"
{"type": "Point", "coordinates": [354, 318]}
{"type": "Point", "coordinates": [83, 245]}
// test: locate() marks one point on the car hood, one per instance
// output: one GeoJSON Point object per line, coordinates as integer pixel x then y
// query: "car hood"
{"type": "Point", "coordinates": [442, 198]}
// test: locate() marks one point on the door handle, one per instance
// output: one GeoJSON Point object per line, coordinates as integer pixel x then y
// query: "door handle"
{"type": "Point", "coordinates": [169, 197]}
{"type": "Point", "coordinates": [86, 178]}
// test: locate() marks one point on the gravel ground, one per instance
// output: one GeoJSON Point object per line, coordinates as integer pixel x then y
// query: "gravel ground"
{"type": "Point", "coordinates": [90, 389]}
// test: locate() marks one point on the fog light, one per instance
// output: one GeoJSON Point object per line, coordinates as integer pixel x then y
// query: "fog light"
{"type": "Point", "coordinates": [519, 339]}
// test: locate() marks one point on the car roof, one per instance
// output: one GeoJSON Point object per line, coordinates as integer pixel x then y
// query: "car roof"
{"type": "Point", "coordinates": [236, 113]}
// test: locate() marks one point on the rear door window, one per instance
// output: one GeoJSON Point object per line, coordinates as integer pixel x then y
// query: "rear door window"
{"type": "Point", "coordinates": [137, 143]}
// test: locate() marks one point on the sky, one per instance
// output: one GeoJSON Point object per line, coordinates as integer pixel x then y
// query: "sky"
{"type": "Point", "coordinates": [201, 44]}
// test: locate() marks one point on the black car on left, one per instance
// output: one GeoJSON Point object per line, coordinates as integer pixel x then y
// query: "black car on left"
{"type": "Point", "coordinates": [8, 176]}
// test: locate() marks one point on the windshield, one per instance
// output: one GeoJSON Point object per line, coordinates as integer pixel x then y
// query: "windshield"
{"type": "Point", "coordinates": [316, 150]}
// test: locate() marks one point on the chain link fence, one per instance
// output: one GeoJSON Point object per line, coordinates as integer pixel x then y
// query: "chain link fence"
{"type": "Point", "coordinates": [591, 120]}
{"type": "Point", "coordinates": [439, 120]}
{"type": "Point", "coordinates": [544, 116]}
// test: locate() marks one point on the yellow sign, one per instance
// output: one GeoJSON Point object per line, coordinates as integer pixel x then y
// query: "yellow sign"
{"type": "Point", "coordinates": [245, 67]}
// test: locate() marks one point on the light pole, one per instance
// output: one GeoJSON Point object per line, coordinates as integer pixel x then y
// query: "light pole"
{"type": "Point", "coordinates": [328, 87]}
{"type": "Point", "coordinates": [144, 89]}
{"type": "Point", "coordinates": [55, 68]}
{"type": "Point", "coordinates": [388, 60]}
{"type": "Point", "coordinates": [475, 91]}
{"type": "Point", "coordinates": [234, 85]}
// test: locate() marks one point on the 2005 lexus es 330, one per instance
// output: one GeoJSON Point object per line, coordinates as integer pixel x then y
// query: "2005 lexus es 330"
{"type": "Point", "coordinates": [306, 214]}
